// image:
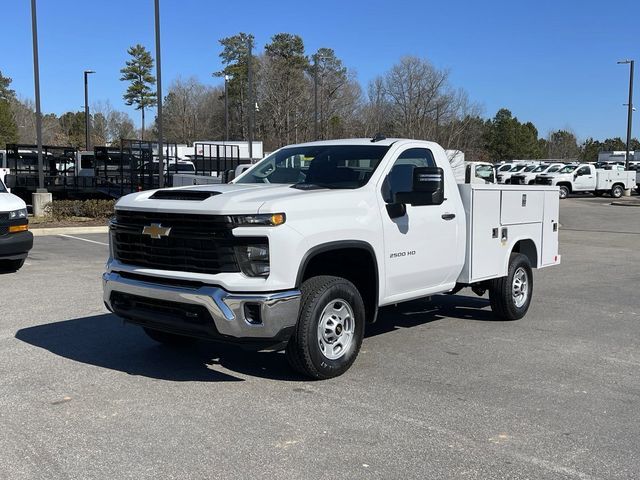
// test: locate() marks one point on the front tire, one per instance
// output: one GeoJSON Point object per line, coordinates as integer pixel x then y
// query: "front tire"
{"type": "Point", "coordinates": [11, 265]}
{"type": "Point", "coordinates": [510, 296]}
{"type": "Point", "coordinates": [564, 192]}
{"type": "Point", "coordinates": [330, 328]}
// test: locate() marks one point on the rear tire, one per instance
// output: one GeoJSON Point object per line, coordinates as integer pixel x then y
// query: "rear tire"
{"type": "Point", "coordinates": [617, 191]}
{"type": "Point", "coordinates": [510, 296]}
{"type": "Point", "coordinates": [168, 339]}
{"type": "Point", "coordinates": [11, 265]}
{"type": "Point", "coordinates": [330, 328]}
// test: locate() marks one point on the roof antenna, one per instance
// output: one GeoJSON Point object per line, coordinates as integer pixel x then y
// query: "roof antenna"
{"type": "Point", "coordinates": [377, 137]}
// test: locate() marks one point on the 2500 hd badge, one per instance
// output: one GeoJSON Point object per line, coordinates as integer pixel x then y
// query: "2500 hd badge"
{"type": "Point", "coordinates": [402, 254]}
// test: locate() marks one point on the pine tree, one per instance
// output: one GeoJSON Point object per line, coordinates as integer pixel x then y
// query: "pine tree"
{"type": "Point", "coordinates": [138, 72]}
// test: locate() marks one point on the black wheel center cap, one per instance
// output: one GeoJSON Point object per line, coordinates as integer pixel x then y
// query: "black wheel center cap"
{"type": "Point", "coordinates": [338, 329]}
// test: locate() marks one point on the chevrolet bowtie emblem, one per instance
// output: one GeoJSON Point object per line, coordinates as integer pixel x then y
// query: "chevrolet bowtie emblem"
{"type": "Point", "coordinates": [156, 231]}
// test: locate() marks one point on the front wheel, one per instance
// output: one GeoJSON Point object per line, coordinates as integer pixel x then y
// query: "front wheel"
{"type": "Point", "coordinates": [510, 296]}
{"type": "Point", "coordinates": [617, 191]}
{"type": "Point", "coordinates": [564, 192]}
{"type": "Point", "coordinates": [330, 328]}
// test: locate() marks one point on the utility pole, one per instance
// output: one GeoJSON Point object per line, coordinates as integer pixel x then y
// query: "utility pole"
{"type": "Point", "coordinates": [159, 96]}
{"type": "Point", "coordinates": [250, 97]}
{"type": "Point", "coordinates": [226, 109]}
{"type": "Point", "coordinates": [36, 79]}
{"type": "Point", "coordinates": [630, 109]}
{"type": "Point", "coordinates": [87, 119]}
{"type": "Point", "coordinates": [315, 97]}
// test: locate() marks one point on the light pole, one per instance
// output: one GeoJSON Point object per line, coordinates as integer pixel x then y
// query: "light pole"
{"type": "Point", "coordinates": [159, 97]}
{"type": "Point", "coordinates": [87, 119]}
{"type": "Point", "coordinates": [250, 95]}
{"type": "Point", "coordinates": [629, 110]}
{"type": "Point", "coordinates": [36, 81]}
{"type": "Point", "coordinates": [226, 109]}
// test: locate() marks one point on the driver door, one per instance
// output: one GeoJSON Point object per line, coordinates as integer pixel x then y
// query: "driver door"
{"type": "Point", "coordinates": [419, 245]}
{"type": "Point", "coordinates": [585, 179]}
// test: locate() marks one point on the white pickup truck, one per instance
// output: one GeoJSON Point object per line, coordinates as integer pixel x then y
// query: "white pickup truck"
{"type": "Point", "coordinates": [587, 178]}
{"type": "Point", "coordinates": [300, 251]}
{"type": "Point", "coordinates": [529, 177]}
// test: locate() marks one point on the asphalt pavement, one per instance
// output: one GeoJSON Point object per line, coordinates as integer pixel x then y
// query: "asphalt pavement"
{"type": "Point", "coordinates": [440, 390]}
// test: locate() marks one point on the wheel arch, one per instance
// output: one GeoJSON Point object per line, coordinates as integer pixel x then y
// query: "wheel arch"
{"type": "Point", "coordinates": [565, 184]}
{"type": "Point", "coordinates": [528, 248]}
{"type": "Point", "coordinates": [354, 260]}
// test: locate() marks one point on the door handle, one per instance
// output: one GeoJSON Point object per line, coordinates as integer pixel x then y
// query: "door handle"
{"type": "Point", "coordinates": [448, 216]}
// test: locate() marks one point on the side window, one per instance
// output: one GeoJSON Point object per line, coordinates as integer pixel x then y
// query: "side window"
{"type": "Point", "coordinates": [584, 171]}
{"type": "Point", "coordinates": [400, 178]}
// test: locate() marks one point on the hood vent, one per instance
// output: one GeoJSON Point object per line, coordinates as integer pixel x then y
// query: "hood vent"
{"type": "Point", "coordinates": [192, 195]}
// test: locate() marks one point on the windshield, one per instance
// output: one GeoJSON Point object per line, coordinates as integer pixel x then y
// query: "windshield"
{"type": "Point", "coordinates": [517, 168]}
{"type": "Point", "coordinates": [485, 172]}
{"type": "Point", "coordinates": [540, 168]}
{"type": "Point", "coordinates": [327, 166]}
{"type": "Point", "coordinates": [553, 169]}
{"type": "Point", "coordinates": [504, 168]}
{"type": "Point", "coordinates": [529, 168]}
{"type": "Point", "coordinates": [182, 167]}
{"type": "Point", "coordinates": [3, 189]}
{"type": "Point", "coordinates": [568, 169]}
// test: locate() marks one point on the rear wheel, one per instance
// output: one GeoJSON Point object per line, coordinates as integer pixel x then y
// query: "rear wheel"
{"type": "Point", "coordinates": [11, 265]}
{"type": "Point", "coordinates": [617, 191]}
{"type": "Point", "coordinates": [330, 328]}
{"type": "Point", "coordinates": [564, 191]}
{"type": "Point", "coordinates": [166, 338]}
{"type": "Point", "coordinates": [510, 296]}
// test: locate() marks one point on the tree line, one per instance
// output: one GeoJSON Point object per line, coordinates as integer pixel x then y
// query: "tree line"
{"type": "Point", "coordinates": [412, 99]}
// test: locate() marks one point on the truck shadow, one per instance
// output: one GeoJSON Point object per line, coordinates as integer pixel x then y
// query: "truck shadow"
{"type": "Point", "coordinates": [419, 312]}
{"type": "Point", "coordinates": [102, 340]}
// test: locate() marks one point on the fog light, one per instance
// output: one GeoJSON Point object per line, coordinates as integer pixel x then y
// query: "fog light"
{"type": "Point", "coordinates": [252, 313]}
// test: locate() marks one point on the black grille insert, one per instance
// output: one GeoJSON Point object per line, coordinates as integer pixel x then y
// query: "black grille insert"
{"type": "Point", "coordinates": [196, 243]}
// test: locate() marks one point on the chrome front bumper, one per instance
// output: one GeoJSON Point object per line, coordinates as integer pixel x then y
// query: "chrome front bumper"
{"type": "Point", "coordinates": [278, 311]}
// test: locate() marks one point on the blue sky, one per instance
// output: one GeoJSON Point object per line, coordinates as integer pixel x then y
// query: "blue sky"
{"type": "Point", "coordinates": [550, 62]}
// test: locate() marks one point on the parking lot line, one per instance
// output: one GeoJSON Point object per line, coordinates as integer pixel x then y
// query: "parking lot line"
{"type": "Point", "coordinates": [83, 239]}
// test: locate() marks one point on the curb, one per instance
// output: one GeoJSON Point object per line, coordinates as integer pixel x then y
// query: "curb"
{"type": "Point", "coordinates": [626, 204]}
{"type": "Point", "coordinates": [41, 232]}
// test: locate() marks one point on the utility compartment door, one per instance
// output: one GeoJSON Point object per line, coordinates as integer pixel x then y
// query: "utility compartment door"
{"type": "Point", "coordinates": [485, 249]}
{"type": "Point", "coordinates": [550, 229]}
{"type": "Point", "coordinates": [522, 206]}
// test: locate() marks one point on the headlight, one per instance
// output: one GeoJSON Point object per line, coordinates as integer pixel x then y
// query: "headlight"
{"type": "Point", "coordinates": [263, 219]}
{"type": "Point", "coordinates": [253, 259]}
{"type": "Point", "coordinates": [18, 214]}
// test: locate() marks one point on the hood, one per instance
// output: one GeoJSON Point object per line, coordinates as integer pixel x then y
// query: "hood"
{"type": "Point", "coordinates": [223, 199]}
{"type": "Point", "coordinates": [9, 202]}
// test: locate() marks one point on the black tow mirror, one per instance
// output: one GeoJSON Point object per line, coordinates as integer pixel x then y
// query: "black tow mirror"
{"type": "Point", "coordinates": [427, 187]}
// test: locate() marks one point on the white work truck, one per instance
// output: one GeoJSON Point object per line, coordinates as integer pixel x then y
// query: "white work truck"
{"type": "Point", "coordinates": [586, 178]}
{"type": "Point", "coordinates": [529, 177]}
{"type": "Point", "coordinates": [300, 251]}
